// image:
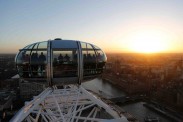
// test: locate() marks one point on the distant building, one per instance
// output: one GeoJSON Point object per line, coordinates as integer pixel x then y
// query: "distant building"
{"type": "Point", "coordinates": [108, 65]}
{"type": "Point", "coordinates": [10, 83]}
{"type": "Point", "coordinates": [7, 67]}
{"type": "Point", "coordinates": [30, 89]}
{"type": "Point", "coordinates": [6, 99]}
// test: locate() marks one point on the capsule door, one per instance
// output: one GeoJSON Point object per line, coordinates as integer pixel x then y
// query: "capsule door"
{"type": "Point", "coordinates": [65, 63]}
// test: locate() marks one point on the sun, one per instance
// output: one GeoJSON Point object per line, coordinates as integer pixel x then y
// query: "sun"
{"type": "Point", "coordinates": [148, 41]}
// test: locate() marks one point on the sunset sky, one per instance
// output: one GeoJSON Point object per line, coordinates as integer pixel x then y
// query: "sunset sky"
{"type": "Point", "coordinates": [114, 25]}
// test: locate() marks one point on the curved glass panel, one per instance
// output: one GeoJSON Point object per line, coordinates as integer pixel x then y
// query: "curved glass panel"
{"type": "Point", "coordinates": [31, 46]}
{"type": "Point", "coordinates": [26, 47]}
{"type": "Point", "coordinates": [36, 46]}
{"type": "Point", "coordinates": [19, 58]}
{"type": "Point", "coordinates": [83, 45]}
{"type": "Point", "coordinates": [101, 60]}
{"type": "Point", "coordinates": [23, 60]}
{"type": "Point", "coordinates": [86, 46]}
{"type": "Point", "coordinates": [89, 59]}
{"type": "Point", "coordinates": [38, 60]}
{"type": "Point", "coordinates": [95, 47]}
{"type": "Point", "coordinates": [43, 45]}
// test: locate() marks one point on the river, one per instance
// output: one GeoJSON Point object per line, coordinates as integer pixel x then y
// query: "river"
{"type": "Point", "coordinates": [108, 90]}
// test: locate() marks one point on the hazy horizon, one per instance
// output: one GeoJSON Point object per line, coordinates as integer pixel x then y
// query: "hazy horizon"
{"type": "Point", "coordinates": [116, 53]}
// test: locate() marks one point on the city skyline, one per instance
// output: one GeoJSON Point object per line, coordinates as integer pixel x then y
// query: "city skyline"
{"type": "Point", "coordinates": [115, 26]}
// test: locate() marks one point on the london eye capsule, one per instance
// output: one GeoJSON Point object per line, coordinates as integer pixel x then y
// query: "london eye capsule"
{"type": "Point", "coordinates": [60, 62]}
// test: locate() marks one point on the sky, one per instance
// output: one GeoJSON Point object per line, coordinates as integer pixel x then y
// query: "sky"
{"type": "Point", "coordinates": [113, 25]}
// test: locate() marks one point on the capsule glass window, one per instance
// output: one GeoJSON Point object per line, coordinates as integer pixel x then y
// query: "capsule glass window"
{"type": "Point", "coordinates": [39, 60]}
{"type": "Point", "coordinates": [101, 60]}
{"type": "Point", "coordinates": [65, 63]}
{"type": "Point", "coordinates": [23, 63]}
{"type": "Point", "coordinates": [89, 59]}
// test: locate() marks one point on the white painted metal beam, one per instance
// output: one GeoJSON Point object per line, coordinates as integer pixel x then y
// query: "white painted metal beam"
{"type": "Point", "coordinates": [67, 105]}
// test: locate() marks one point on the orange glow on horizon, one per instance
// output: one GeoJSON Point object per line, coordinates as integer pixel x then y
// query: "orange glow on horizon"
{"type": "Point", "coordinates": [149, 41]}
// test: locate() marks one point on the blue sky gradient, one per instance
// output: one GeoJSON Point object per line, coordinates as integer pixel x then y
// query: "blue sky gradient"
{"type": "Point", "coordinates": [101, 22]}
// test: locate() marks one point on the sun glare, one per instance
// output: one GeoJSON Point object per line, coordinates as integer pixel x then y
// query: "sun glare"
{"type": "Point", "coordinates": [149, 41]}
